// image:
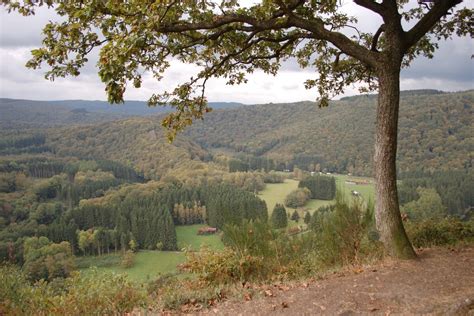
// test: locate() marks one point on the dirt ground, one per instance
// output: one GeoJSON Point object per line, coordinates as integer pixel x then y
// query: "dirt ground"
{"type": "Point", "coordinates": [441, 282]}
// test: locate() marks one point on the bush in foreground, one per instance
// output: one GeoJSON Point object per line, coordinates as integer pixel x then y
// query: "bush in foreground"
{"type": "Point", "coordinates": [254, 252]}
{"type": "Point", "coordinates": [91, 294]}
{"type": "Point", "coordinates": [343, 233]}
{"type": "Point", "coordinates": [446, 231]}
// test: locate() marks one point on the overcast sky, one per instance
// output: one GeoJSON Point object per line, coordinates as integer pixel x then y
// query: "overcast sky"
{"type": "Point", "coordinates": [452, 69]}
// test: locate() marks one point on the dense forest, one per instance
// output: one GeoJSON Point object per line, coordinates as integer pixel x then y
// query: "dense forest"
{"type": "Point", "coordinates": [435, 132]}
{"type": "Point", "coordinates": [92, 188]}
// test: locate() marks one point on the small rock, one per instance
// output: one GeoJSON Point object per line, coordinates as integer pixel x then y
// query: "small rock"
{"type": "Point", "coordinates": [247, 296]}
{"type": "Point", "coordinates": [269, 293]}
{"type": "Point", "coordinates": [463, 307]}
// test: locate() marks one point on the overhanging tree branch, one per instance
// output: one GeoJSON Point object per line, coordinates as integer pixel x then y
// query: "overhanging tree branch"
{"type": "Point", "coordinates": [372, 6]}
{"type": "Point", "coordinates": [349, 47]}
{"type": "Point", "coordinates": [428, 21]}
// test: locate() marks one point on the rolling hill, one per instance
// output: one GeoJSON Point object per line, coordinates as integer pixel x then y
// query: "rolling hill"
{"type": "Point", "coordinates": [436, 131]}
{"type": "Point", "coordinates": [139, 142]}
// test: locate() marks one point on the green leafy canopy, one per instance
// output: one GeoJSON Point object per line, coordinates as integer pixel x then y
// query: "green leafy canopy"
{"type": "Point", "coordinates": [226, 40]}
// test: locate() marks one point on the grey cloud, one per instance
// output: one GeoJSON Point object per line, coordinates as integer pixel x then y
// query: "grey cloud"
{"type": "Point", "coordinates": [19, 31]}
{"type": "Point", "coordinates": [451, 62]}
{"type": "Point", "coordinates": [291, 87]}
{"type": "Point", "coordinates": [451, 69]}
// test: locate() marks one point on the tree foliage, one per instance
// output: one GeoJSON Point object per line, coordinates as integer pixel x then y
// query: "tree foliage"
{"type": "Point", "coordinates": [427, 206]}
{"type": "Point", "coordinates": [47, 260]}
{"type": "Point", "coordinates": [434, 133]}
{"type": "Point", "coordinates": [321, 187]}
{"type": "Point", "coordinates": [279, 218]}
{"type": "Point", "coordinates": [454, 187]}
{"type": "Point", "coordinates": [297, 198]}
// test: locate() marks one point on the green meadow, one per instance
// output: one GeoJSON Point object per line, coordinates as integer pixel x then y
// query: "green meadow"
{"type": "Point", "coordinates": [149, 264]}
{"type": "Point", "coordinates": [276, 192]}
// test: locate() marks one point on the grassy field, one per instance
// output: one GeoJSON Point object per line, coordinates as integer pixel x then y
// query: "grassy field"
{"type": "Point", "coordinates": [150, 264]}
{"type": "Point", "coordinates": [187, 237]}
{"type": "Point", "coordinates": [276, 192]}
{"type": "Point", "coordinates": [366, 190]}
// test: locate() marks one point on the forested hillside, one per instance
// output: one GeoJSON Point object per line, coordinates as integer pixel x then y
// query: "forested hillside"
{"type": "Point", "coordinates": [436, 132]}
{"type": "Point", "coordinates": [138, 142]}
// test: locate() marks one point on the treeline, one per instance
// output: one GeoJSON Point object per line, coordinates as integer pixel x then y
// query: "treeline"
{"type": "Point", "coordinates": [251, 163]}
{"type": "Point", "coordinates": [47, 167]}
{"type": "Point", "coordinates": [37, 167]}
{"type": "Point", "coordinates": [455, 189]}
{"type": "Point", "coordinates": [28, 144]}
{"type": "Point", "coordinates": [321, 187]}
{"type": "Point", "coordinates": [149, 219]}
{"type": "Point", "coordinates": [22, 141]}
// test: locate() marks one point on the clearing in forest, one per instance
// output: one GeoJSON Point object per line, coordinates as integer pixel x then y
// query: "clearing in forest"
{"type": "Point", "coordinates": [276, 192]}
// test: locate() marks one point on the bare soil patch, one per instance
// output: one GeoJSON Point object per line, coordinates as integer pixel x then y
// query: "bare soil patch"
{"type": "Point", "coordinates": [440, 282]}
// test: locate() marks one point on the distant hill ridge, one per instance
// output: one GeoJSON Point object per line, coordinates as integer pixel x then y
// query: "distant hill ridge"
{"type": "Point", "coordinates": [129, 108]}
{"type": "Point", "coordinates": [403, 93]}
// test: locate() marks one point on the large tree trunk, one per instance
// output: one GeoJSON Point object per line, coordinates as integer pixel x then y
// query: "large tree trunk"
{"type": "Point", "coordinates": [387, 210]}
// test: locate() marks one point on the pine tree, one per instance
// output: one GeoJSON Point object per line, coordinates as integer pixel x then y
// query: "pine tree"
{"type": "Point", "coordinates": [307, 217]}
{"type": "Point", "coordinates": [279, 218]}
{"type": "Point", "coordinates": [295, 216]}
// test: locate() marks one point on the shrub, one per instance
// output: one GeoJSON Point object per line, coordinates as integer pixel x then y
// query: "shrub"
{"type": "Point", "coordinates": [279, 218]}
{"type": "Point", "coordinates": [99, 294]}
{"type": "Point", "coordinates": [298, 198]}
{"type": "Point", "coordinates": [343, 232]}
{"type": "Point", "coordinates": [47, 260]}
{"type": "Point", "coordinates": [440, 232]}
{"type": "Point", "coordinates": [226, 266]}
{"type": "Point", "coordinates": [14, 291]}
{"type": "Point", "coordinates": [273, 177]}
{"type": "Point", "coordinates": [128, 259]}
{"type": "Point", "coordinates": [340, 234]}
{"type": "Point", "coordinates": [174, 292]}
{"type": "Point", "coordinates": [82, 294]}
{"type": "Point", "coordinates": [427, 207]}
{"type": "Point", "coordinates": [254, 251]}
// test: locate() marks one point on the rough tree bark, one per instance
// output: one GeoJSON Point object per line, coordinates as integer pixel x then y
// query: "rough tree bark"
{"type": "Point", "coordinates": [387, 209]}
